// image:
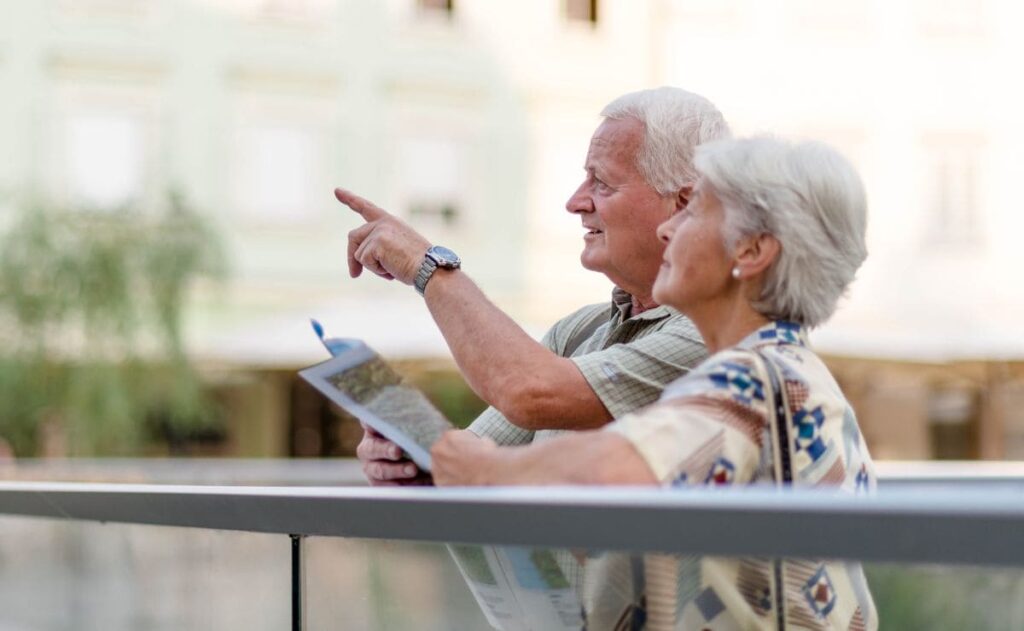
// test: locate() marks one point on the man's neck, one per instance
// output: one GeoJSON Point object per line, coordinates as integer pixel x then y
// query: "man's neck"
{"type": "Point", "coordinates": [639, 305]}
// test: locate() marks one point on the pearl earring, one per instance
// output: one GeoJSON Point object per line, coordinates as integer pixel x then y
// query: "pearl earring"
{"type": "Point", "coordinates": [736, 272]}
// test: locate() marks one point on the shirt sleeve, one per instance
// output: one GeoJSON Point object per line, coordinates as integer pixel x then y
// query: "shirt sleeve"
{"type": "Point", "coordinates": [626, 377]}
{"type": "Point", "coordinates": [492, 424]}
{"type": "Point", "coordinates": [711, 432]}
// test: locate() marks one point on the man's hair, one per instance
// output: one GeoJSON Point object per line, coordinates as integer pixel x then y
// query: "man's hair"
{"type": "Point", "coordinates": [807, 196]}
{"type": "Point", "coordinates": [675, 122]}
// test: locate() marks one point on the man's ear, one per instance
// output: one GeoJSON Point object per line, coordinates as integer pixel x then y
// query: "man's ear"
{"type": "Point", "coordinates": [683, 198]}
{"type": "Point", "coordinates": [756, 254]}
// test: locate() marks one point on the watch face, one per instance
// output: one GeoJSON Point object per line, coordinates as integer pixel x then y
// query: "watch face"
{"type": "Point", "coordinates": [443, 256]}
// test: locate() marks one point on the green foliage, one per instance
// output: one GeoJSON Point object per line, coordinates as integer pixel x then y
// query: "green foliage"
{"type": "Point", "coordinates": [91, 309]}
{"type": "Point", "coordinates": [448, 391]}
{"type": "Point", "coordinates": [953, 598]}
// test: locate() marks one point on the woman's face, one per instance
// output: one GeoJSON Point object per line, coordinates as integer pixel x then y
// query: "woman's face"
{"type": "Point", "coordinates": [696, 269]}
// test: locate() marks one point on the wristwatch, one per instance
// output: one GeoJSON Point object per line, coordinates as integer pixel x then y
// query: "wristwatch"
{"type": "Point", "coordinates": [437, 256]}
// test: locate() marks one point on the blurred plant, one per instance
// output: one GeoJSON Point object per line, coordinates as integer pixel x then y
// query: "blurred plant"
{"type": "Point", "coordinates": [91, 309]}
{"type": "Point", "coordinates": [943, 597]}
{"type": "Point", "coordinates": [446, 389]}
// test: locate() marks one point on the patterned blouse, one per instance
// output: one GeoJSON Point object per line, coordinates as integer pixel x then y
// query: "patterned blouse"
{"type": "Point", "coordinates": [712, 427]}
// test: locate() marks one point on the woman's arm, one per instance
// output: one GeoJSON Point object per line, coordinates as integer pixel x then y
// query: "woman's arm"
{"type": "Point", "coordinates": [461, 458]}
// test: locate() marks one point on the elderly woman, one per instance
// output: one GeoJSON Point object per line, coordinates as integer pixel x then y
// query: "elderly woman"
{"type": "Point", "coordinates": [771, 238]}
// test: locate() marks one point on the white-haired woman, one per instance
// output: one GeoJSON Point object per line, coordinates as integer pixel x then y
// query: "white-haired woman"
{"type": "Point", "coordinates": [771, 238]}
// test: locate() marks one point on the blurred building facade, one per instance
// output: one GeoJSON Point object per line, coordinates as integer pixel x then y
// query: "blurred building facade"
{"type": "Point", "coordinates": [471, 119]}
{"type": "Point", "coordinates": [919, 95]}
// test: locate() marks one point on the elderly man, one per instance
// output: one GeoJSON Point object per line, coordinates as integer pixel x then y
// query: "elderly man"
{"type": "Point", "coordinates": [600, 362]}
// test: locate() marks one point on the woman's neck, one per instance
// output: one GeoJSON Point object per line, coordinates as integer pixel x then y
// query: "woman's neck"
{"type": "Point", "coordinates": [726, 326]}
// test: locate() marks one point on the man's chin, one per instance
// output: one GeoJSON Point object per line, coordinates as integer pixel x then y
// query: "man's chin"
{"type": "Point", "coordinates": [592, 259]}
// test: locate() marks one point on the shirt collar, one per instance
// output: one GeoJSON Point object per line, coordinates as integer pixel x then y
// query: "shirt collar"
{"type": "Point", "coordinates": [777, 332]}
{"type": "Point", "coordinates": [623, 301]}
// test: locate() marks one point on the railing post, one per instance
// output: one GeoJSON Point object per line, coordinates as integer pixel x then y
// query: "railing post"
{"type": "Point", "coordinates": [298, 582]}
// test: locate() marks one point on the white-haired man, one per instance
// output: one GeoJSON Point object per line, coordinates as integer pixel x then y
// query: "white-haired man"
{"type": "Point", "coordinates": [600, 362]}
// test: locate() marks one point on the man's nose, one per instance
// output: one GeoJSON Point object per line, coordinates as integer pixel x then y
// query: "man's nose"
{"type": "Point", "coordinates": [579, 202]}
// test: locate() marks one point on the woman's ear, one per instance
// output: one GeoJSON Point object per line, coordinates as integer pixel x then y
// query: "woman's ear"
{"type": "Point", "coordinates": [755, 254]}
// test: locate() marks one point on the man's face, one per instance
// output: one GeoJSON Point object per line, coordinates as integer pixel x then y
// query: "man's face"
{"type": "Point", "coordinates": [619, 210]}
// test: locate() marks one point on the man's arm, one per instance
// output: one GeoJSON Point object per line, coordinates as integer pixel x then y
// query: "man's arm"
{"type": "Point", "coordinates": [462, 459]}
{"type": "Point", "coordinates": [532, 386]}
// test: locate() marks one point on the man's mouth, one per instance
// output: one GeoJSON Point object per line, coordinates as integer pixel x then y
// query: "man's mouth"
{"type": "Point", "coordinates": [592, 231]}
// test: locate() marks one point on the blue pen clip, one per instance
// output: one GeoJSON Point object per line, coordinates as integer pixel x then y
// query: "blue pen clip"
{"type": "Point", "coordinates": [335, 346]}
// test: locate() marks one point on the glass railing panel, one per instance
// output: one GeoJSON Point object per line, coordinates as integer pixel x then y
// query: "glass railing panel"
{"type": "Point", "coordinates": [397, 585]}
{"type": "Point", "coordinates": [367, 584]}
{"type": "Point", "coordinates": [946, 597]}
{"type": "Point", "coordinates": [57, 574]}
{"type": "Point", "coordinates": [62, 574]}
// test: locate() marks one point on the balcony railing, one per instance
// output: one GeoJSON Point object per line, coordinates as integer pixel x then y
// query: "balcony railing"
{"type": "Point", "coordinates": [923, 514]}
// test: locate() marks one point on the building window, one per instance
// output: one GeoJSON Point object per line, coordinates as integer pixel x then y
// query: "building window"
{"type": "Point", "coordinates": [952, 191]}
{"type": "Point", "coordinates": [436, 7]}
{"type": "Point", "coordinates": [431, 175]}
{"type": "Point", "coordinates": [288, 13]}
{"type": "Point", "coordinates": [957, 18]}
{"type": "Point", "coordinates": [304, 11]}
{"type": "Point", "coordinates": [581, 11]}
{"type": "Point", "coordinates": [101, 9]}
{"type": "Point", "coordinates": [277, 166]}
{"type": "Point", "coordinates": [105, 159]}
{"type": "Point", "coordinates": [953, 422]}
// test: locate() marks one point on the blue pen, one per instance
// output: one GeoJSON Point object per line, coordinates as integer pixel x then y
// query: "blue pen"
{"type": "Point", "coordinates": [335, 346]}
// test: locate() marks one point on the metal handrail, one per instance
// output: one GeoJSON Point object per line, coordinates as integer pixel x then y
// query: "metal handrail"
{"type": "Point", "coordinates": [924, 525]}
{"type": "Point", "coordinates": [348, 471]}
{"type": "Point", "coordinates": [217, 471]}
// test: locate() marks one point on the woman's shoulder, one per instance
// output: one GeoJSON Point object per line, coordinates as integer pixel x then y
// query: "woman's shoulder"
{"type": "Point", "coordinates": [740, 372]}
{"type": "Point", "coordinates": [731, 373]}
{"type": "Point", "coordinates": [798, 364]}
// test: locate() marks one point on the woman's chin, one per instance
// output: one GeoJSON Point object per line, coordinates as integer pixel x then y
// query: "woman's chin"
{"type": "Point", "coordinates": [661, 292]}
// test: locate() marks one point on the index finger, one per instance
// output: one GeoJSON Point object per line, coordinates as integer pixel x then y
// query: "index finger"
{"type": "Point", "coordinates": [366, 208]}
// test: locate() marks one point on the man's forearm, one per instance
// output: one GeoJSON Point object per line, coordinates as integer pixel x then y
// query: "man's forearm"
{"type": "Point", "coordinates": [528, 383]}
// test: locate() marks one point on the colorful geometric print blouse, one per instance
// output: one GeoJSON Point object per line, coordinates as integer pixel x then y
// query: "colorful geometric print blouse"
{"type": "Point", "coordinates": [713, 427]}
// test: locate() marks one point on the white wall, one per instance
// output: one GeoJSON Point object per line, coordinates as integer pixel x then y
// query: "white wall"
{"type": "Point", "coordinates": [894, 85]}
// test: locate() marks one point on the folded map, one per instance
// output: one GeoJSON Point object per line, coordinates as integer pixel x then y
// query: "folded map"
{"type": "Point", "coordinates": [365, 386]}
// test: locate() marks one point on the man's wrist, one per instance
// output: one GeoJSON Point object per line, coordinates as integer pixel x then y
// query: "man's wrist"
{"type": "Point", "coordinates": [436, 258]}
{"type": "Point", "coordinates": [440, 277]}
{"type": "Point", "coordinates": [423, 275]}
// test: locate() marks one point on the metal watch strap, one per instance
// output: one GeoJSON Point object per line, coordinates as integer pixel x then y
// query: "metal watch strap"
{"type": "Point", "coordinates": [427, 269]}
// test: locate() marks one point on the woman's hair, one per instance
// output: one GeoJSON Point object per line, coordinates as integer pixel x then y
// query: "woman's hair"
{"type": "Point", "coordinates": [807, 196]}
{"type": "Point", "coordinates": [675, 123]}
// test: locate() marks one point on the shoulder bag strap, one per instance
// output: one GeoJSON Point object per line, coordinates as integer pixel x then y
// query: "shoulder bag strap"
{"type": "Point", "coordinates": [780, 423]}
{"type": "Point", "coordinates": [782, 463]}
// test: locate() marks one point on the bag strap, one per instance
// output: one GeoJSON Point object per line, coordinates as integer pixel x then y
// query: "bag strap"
{"type": "Point", "coordinates": [780, 422]}
{"type": "Point", "coordinates": [782, 464]}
